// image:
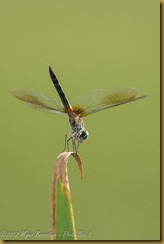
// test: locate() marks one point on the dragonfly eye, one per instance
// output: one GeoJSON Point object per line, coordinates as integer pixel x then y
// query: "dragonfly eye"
{"type": "Point", "coordinates": [83, 136]}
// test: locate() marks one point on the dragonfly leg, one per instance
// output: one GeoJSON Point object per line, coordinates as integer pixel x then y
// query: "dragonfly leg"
{"type": "Point", "coordinates": [66, 143]}
{"type": "Point", "coordinates": [75, 145]}
{"type": "Point", "coordinates": [78, 146]}
{"type": "Point", "coordinates": [66, 146]}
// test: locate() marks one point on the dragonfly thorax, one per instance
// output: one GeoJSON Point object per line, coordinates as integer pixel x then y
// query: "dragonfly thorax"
{"type": "Point", "coordinates": [76, 123]}
{"type": "Point", "coordinates": [79, 133]}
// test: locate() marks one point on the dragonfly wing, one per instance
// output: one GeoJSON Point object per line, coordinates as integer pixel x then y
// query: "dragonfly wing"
{"type": "Point", "coordinates": [100, 99]}
{"type": "Point", "coordinates": [39, 101]}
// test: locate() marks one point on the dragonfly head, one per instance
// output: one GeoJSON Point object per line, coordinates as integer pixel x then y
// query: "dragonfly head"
{"type": "Point", "coordinates": [83, 136]}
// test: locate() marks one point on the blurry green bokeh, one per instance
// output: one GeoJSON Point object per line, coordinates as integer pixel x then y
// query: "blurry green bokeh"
{"type": "Point", "coordinates": [89, 44]}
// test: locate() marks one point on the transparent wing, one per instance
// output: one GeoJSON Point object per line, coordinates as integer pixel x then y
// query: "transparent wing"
{"type": "Point", "coordinates": [39, 101]}
{"type": "Point", "coordinates": [100, 99]}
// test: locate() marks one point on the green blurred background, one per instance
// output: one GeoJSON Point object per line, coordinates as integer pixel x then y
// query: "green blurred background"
{"type": "Point", "coordinates": [89, 44]}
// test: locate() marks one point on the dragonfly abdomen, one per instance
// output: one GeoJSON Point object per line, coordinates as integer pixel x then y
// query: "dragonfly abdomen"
{"type": "Point", "coordinates": [66, 104]}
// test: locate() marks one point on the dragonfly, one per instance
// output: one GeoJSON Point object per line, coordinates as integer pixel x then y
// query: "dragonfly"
{"type": "Point", "coordinates": [85, 104]}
